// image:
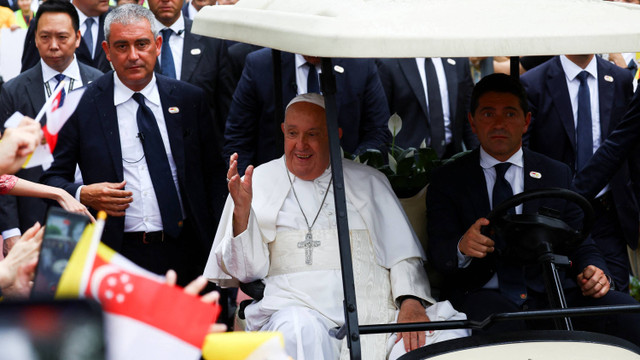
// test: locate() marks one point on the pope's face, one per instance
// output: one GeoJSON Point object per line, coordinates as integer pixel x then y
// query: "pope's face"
{"type": "Point", "coordinates": [306, 140]}
{"type": "Point", "coordinates": [132, 50]}
{"type": "Point", "coordinates": [499, 123]}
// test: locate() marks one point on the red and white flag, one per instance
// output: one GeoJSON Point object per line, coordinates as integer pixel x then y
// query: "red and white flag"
{"type": "Point", "coordinates": [60, 110]}
{"type": "Point", "coordinates": [144, 317]}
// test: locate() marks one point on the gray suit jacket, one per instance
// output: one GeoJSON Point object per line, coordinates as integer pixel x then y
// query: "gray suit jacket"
{"type": "Point", "coordinates": [25, 93]}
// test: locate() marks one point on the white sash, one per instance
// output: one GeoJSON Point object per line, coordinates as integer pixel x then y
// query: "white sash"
{"type": "Point", "coordinates": [372, 284]}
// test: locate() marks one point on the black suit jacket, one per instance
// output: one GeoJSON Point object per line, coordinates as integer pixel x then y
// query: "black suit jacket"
{"type": "Point", "coordinates": [405, 94]}
{"type": "Point", "coordinates": [251, 125]}
{"type": "Point", "coordinates": [91, 139]}
{"type": "Point", "coordinates": [205, 65]}
{"type": "Point", "coordinates": [621, 143]}
{"type": "Point", "coordinates": [31, 56]}
{"type": "Point", "coordinates": [458, 197]}
{"type": "Point", "coordinates": [552, 129]}
{"type": "Point", "coordinates": [25, 93]}
{"type": "Point", "coordinates": [237, 55]}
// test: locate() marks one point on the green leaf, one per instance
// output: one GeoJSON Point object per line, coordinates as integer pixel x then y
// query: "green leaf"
{"type": "Point", "coordinates": [408, 153]}
{"type": "Point", "coordinates": [405, 166]}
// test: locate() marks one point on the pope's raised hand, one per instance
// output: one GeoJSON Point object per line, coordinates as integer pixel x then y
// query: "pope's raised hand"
{"type": "Point", "coordinates": [241, 193]}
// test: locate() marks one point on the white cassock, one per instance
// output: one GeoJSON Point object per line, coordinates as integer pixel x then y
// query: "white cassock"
{"type": "Point", "coordinates": [304, 300]}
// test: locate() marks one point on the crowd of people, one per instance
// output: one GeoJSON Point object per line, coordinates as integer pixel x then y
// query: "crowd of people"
{"type": "Point", "coordinates": [176, 139]}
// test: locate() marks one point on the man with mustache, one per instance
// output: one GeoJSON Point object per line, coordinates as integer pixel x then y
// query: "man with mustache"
{"type": "Point", "coordinates": [462, 193]}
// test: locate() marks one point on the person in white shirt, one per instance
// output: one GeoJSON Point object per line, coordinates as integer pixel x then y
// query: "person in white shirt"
{"type": "Point", "coordinates": [279, 225]}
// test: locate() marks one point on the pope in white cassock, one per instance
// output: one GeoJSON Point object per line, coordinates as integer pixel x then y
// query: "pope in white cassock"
{"type": "Point", "coordinates": [279, 225]}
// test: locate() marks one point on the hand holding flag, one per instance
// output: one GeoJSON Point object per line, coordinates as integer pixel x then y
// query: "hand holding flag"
{"type": "Point", "coordinates": [58, 109]}
{"type": "Point", "coordinates": [17, 144]}
{"type": "Point", "coordinates": [146, 316]}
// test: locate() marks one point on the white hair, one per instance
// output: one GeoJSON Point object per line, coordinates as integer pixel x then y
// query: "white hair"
{"type": "Point", "coordinates": [128, 14]}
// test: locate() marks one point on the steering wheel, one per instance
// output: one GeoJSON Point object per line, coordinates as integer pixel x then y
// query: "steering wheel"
{"type": "Point", "coordinates": [526, 235]}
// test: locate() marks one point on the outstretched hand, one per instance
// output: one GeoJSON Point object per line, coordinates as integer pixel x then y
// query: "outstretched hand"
{"type": "Point", "coordinates": [241, 193]}
{"type": "Point", "coordinates": [17, 143]}
{"type": "Point", "coordinates": [194, 288]}
{"type": "Point", "coordinates": [18, 268]}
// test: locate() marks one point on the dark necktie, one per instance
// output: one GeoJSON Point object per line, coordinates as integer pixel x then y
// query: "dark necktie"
{"type": "Point", "coordinates": [59, 78]}
{"type": "Point", "coordinates": [502, 189]}
{"type": "Point", "coordinates": [510, 276]}
{"type": "Point", "coordinates": [436, 116]}
{"type": "Point", "coordinates": [88, 37]}
{"type": "Point", "coordinates": [167, 66]}
{"type": "Point", "coordinates": [159, 169]}
{"type": "Point", "coordinates": [584, 135]}
{"type": "Point", "coordinates": [313, 86]}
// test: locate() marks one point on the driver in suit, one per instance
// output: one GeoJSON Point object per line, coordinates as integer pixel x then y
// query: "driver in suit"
{"type": "Point", "coordinates": [463, 192]}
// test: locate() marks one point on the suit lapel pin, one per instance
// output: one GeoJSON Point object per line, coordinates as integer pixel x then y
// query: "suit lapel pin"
{"type": "Point", "coordinates": [339, 69]}
{"type": "Point", "coordinates": [451, 61]}
{"type": "Point", "coordinates": [195, 51]}
{"type": "Point", "coordinates": [535, 174]}
{"type": "Point", "coordinates": [173, 110]}
{"type": "Point", "coordinates": [608, 78]}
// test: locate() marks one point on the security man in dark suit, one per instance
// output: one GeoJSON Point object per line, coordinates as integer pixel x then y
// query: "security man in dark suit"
{"type": "Point", "coordinates": [91, 14]}
{"type": "Point", "coordinates": [57, 36]}
{"type": "Point", "coordinates": [144, 144]}
{"type": "Point", "coordinates": [198, 60]}
{"type": "Point", "coordinates": [461, 194]}
{"type": "Point", "coordinates": [251, 130]}
{"type": "Point", "coordinates": [575, 101]}
{"type": "Point", "coordinates": [431, 96]}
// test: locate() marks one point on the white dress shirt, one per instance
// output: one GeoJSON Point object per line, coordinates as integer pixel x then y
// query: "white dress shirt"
{"type": "Point", "coordinates": [515, 177]}
{"type": "Point", "coordinates": [444, 93]}
{"type": "Point", "coordinates": [72, 81]}
{"type": "Point", "coordinates": [302, 73]}
{"type": "Point", "coordinates": [94, 29]}
{"type": "Point", "coordinates": [176, 42]}
{"type": "Point", "coordinates": [143, 213]}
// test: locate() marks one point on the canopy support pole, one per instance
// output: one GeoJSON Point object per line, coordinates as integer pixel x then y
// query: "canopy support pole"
{"type": "Point", "coordinates": [328, 83]}
{"type": "Point", "coordinates": [514, 67]}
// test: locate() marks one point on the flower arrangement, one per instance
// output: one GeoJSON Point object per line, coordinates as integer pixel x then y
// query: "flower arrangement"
{"type": "Point", "coordinates": [408, 170]}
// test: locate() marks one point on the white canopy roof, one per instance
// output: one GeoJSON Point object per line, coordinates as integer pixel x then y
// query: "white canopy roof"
{"type": "Point", "coordinates": [427, 28]}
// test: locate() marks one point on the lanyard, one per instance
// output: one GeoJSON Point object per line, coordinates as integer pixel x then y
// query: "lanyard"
{"type": "Point", "coordinates": [48, 88]}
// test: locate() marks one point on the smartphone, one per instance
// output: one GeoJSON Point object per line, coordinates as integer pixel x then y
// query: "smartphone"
{"type": "Point", "coordinates": [52, 330]}
{"type": "Point", "coordinates": [61, 234]}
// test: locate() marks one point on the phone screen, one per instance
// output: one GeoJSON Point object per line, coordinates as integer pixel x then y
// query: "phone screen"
{"type": "Point", "coordinates": [62, 233]}
{"type": "Point", "coordinates": [51, 330]}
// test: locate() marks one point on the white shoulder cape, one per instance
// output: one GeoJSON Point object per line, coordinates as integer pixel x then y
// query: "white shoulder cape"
{"type": "Point", "coordinates": [367, 189]}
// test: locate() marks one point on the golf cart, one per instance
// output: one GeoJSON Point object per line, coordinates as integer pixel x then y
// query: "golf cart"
{"type": "Point", "coordinates": [433, 28]}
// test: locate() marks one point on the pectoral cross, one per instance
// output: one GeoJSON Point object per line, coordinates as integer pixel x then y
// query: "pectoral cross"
{"type": "Point", "coordinates": [308, 244]}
